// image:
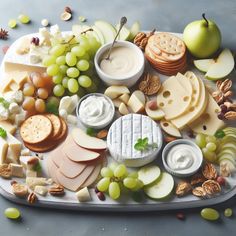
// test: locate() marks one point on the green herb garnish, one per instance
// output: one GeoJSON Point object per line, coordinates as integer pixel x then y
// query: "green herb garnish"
{"type": "Point", "coordinates": [37, 167]}
{"type": "Point", "coordinates": [219, 133]}
{"type": "Point", "coordinates": [91, 132]}
{"type": "Point", "coordinates": [5, 103]}
{"type": "Point", "coordinates": [3, 133]}
{"type": "Point", "coordinates": [142, 144]}
{"type": "Point", "coordinates": [52, 108]}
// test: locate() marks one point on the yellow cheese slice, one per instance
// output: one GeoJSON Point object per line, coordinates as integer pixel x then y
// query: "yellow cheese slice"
{"type": "Point", "coordinates": [194, 111]}
{"type": "Point", "coordinates": [8, 126]}
{"type": "Point", "coordinates": [173, 98]}
{"type": "Point", "coordinates": [3, 150]}
{"type": "Point", "coordinates": [208, 123]}
{"type": "Point", "coordinates": [9, 85]}
{"type": "Point", "coordinates": [169, 128]}
{"type": "Point", "coordinates": [185, 82]}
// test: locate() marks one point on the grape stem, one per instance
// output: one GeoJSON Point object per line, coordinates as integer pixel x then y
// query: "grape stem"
{"type": "Point", "coordinates": [204, 17]}
{"type": "Point", "coordinates": [87, 30]}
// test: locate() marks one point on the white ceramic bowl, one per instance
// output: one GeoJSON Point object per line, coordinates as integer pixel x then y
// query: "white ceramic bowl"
{"type": "Point", "coordinates": [128, 81]}
{"type": "Point", "coordinates": [182, 173]}
{"type": "Point", "coordinates": [96, 126]}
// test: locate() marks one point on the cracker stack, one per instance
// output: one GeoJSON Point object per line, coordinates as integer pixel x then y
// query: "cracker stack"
{"type": "Point", "coordinates": [42, 133]}
{"type": "Point", "coordinates": [166, 53]}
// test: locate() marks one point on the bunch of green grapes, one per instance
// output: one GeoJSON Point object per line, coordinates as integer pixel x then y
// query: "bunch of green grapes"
{"type": "Point", "coordinates": [115, 178]}
{"type": "Point", "coordinates": [71, 65]}
{"type": "Point", "coordinates": [208, 145]}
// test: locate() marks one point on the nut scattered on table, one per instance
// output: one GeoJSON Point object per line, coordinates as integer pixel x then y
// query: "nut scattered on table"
{"type": "Point", "coordinates": [56, 190]}
{"type": "Point", "coordinates": [211, 187]}
{"type": "Point", "coordinates": [65, 16]}
{"type": "Point", "coordinates": [183, 188]}
{"type": "Point", "coordinates": [102, 134]}
{"type": "Point", "coordinates": [150, 84]}
{"type": "Point", "coordinates": [209, 171]}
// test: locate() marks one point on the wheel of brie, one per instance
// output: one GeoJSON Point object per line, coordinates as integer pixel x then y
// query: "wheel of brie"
{"type": "Point", "coordinates": [125, 133]}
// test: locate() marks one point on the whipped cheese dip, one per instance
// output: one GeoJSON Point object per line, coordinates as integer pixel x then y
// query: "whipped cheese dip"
{"type": "Point", "coordinates": [123, 62]}
{"type": "Point", "coordinates": [96, 111]}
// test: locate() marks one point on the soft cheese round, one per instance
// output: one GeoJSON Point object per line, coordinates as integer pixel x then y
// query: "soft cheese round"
{"type": "Point", "coordinates": [123, 135]}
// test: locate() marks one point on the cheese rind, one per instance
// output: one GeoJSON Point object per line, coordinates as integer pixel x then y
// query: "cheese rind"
{"type": "Point", "coordinates": [3, 150]}
{"type": "Point", "coordinates": [124, 133]}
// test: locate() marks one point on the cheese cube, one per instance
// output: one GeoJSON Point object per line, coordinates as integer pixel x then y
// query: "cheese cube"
{"type": "Point", "coordinates": [3, 150]}
{"type": "Point", "coordinates": [19, 118]}
{"type": "Point", "coordinates": [72, 119]}
{"type": "Point", "coordinates": [4, 113]}
{"type": "Point", "coordinates": [17, 170]}
{"type": "Point", "coordinates": [31, 173]}
{"type": "Point", "coordinates": [8, 126]}
{"type": "Point", "coordinates": [10, 159]}
{"type": "Point", "coordinates": [83, 195]}
{"type": "Point", "coordinates": [41, 190]}
{"type": "Point", "coordinates": [34, 181]}
{"type": "Point", "coordinates": [14, 146]}
{"type": "Point", "coordinates": [25, 152]}
{"type": "Point", "coordinates": [14, 108]}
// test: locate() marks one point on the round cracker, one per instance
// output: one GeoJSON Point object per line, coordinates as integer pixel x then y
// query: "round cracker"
{"type": "Point", "coordinates": [56, 123]}
{"type": "Point", "coordinates": [42, 147]}
{"type": "Point", "coordinates": [64, 130]}
{"type": "Point", "coordinates": [36, 129]}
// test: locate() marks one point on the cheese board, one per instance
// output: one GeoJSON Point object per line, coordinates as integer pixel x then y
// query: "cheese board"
{"type": "Point", "coordinates": [63, 161]}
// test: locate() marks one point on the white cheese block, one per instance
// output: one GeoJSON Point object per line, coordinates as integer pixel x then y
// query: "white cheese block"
{"type": "Point", "coordinates": [83, 195]}
{"type": "Point", "coordinates": [173, 95]}
{"type": "Point", "coordinates": [123, 135]}
{"type": "Point", "coordinates": [17, 170]}
{"type": "Point", "coordinates": [69, 103]}
{"type": "Point", "coordinates": [31, 173]}
{"type": "Point", "coordinates": [8, 126]}
{"type": "Point", "coordinates": [208, 123]}
{"type": "Point", "coordinates": [41, 190]}
{"type": "Point", "coordinates": [3, 150]}
{"type": "Point", "coordinates": [34, 181]}
{"type": "Point", "coordinates": [14, 146]}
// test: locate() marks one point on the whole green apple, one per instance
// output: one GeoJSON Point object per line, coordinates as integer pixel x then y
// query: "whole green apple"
{"type": "Point", "coordinates": [202, 37]}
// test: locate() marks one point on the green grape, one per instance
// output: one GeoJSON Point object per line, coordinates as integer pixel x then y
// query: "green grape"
{"type": "Point", "coordinates": [12, 213]}
{"type": "Point", "coordinates": [61, 60]}
{"type": "Point", "coordinates": [133, 174]}
{"type": "Point", "coordinates": [228, 212]}
{"type": "Point", "coordinates": [92, 89]}
{"type": "Point", "coordinates": [57, 79]}
{"type": "Point", "coordinates": [210, 214]}
{"type": "Point", "coordinates": [85, 81]}
{"type": "Point", "coordinates": [139, 185]}
{"type": "Point", "coordinates": [106, 172]}
{"type": "Point", "coordinates": [113, 165]}
{"type": "Point", "coordinates": [73, 85]}
{"type": "Point", "coordinates": [58, 90]}
{"type": "Point", "coordinates": [94, 44]}
{"type": "Point", "coordinates": [129, 182]}
{"type": "Point", "coordinates": [73, 72]}
{"type": "Point", "coordinates": [85, 57]}
{"type": "Point", "coordinates": [65, 82]}
{"type": "Point", "coordinates": [24, 19]}
{"type": "Point", "coordinates": [82, 65]}
{"type": "Point", "coordinates": [103, 184]}
{"type": "Point", "coordinates": [12, 23]}
{"type": "Point", "coordinates": [78, 51]}
{"type": "Point", "coordinates": [208, 155]}
{"type": "Point", "coordinates": [53, 69]}
{"type": "Point", "coordinates": [120, 170]}
{"type": "Point", "coordinates": [63, 69]}
{"type": "Point", "coordinates": [57, 50]}
{"type": "Point", "coordinates": [211, 147]}
{"type": "Point", "coordinates": [49, 60]}
{"type": "Point", "coordinates": [114, 190]}
{"type": "Point", "coordinates": [71, 59]}
{"type": "Point", "coordinates": [211, 139]}
{"type": "Point", "coordinates": [200, 140]}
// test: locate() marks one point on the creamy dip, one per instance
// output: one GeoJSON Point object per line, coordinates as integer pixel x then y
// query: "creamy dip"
{"type": "Point", "coordinates": [123, 62]}
{"type": "Point", "coordinates": [183, 157]}
{"type": "Point", "coordinates": [96, 111]}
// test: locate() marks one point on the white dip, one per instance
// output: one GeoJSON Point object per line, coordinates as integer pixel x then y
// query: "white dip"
{"type": "Point", "coordinates": [123, 62]}
{"type": "Point", "coordinates": [96, 111]}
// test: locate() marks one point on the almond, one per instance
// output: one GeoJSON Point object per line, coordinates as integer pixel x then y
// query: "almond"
{"type": "Point", "coordinates": [169, 139]}
{"type": "Point", "coordinates": [152, 105]}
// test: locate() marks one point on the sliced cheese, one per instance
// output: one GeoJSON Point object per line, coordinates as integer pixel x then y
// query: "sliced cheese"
{"type": "Point", "coordinates": [17, 170]}
{"type": "Point", "coordinates": [194, 111]}
{"type": "Point", "coordinates": [14, 147]}
{"type": "Point", "coordinates": [83, 195]}
{"type": "Point", "coordinates": [135, 104]}
{"type": "Point", "coordinates": [8, 126]}
{"type": "Point", "coordinates": [34, 181]}
{"type": "Point", "coordinates": [10, 85]}
{"type": "Point", "coordinates": [185, 82]}
{"type": "Point", "coordinates": [173, 98]}
{"type": "Point", "coordinates": [169, 128]}
{"type": "Point", "coordinates": [115, 91]}
{"type": "Point", "coordinates": [41, 190]}
{"type": "Point", "coordinates": [3, 150]}
{"type": "Point", "coordinates": [124, 98]}
{"type": "Point", "coordinates": [116, 102]}
{"type": "Point", "coordinates": [208, 123]}
{"type": "Point", "coordinates": [123, 135]}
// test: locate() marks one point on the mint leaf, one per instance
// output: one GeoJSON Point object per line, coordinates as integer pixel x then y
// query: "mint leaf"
{"type": "Point", "coordinates": [90, 132]}
{"type": "Point", "coordinates": [142, 144]}
{"type": "Point", "coordinates": [4, 102]}
{"type": "Point", "coordinates": [37, 167]}
{"type": "Point", "coordinates": [3, 133]}
{"type": "Point", "coordinates": [145, 141]}
{"type": "Point", "coordinates": [219, 133]}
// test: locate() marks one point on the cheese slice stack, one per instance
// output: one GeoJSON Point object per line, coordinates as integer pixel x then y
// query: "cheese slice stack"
{"type": "Point", "coordinates": [123, 135]}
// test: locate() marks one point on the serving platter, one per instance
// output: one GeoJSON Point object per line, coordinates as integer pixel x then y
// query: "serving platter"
{"type": "Point", "coordinates": [125, 203]}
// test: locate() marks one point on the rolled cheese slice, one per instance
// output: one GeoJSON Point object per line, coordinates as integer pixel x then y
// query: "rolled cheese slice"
{"type": "Point", "coordinates": [123, 135]}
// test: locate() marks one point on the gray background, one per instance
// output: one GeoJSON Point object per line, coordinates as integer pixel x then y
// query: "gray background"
{"type": "Point", "coordinates": [166, 15]}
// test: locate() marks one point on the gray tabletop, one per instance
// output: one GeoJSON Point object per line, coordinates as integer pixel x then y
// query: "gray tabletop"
{"type": "Point", "coordinates": [166, 15]}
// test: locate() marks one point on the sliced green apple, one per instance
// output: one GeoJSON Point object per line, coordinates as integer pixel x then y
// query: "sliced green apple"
{"type": "Point", "coordinates": [229, 165]}
{"type": "Point", "coordinates": [226, 157]}
{"type": "Point", "coordinates": [107, 30]}
{"type": "Point", "coordinates": [222, 67]}
{"type": "Point", "coordinates": [161, 188]}
{"type": "Point", "coordinates": [124, 33]}
{"type": "Point", "coordinates": [134, 29]}
{"type": "Point", "coordinates": [204, 64]}
{"type": "Point", "coordinates": [156, 114]}
{"type": "Point", "coordinates": [99, 34]}
{"type": "Point", "coordinates": [149, 174]}
{"type": "Point", "coordinates": [228, 152]}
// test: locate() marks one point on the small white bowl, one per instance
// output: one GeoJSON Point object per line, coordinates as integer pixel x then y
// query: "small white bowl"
{"type": "Point", "coordinates": [128, 81]}
{"type": "Point", "coordinates": [96, 126]}
{"type": "Point", "coordinates": [182, 173]}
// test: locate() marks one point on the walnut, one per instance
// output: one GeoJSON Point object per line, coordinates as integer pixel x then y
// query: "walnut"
{"type": "Point", "coordinates": [150, 84]}
{"type": "Point", "coordinates": [5, 171]}
{"type": "Point", "coordinates": [20, 190]}
{"type": "Point", "coordinates": [32, 198]}
{"type": "Point", "coordinates": [230, 115]}
{"type": "Point", "coordinates": [199, 192]}
{"type": "Point", "coordinates": [209, 171]}
{"type": "Point", "coordinates": [141, 39]}
{"type": "Point", "coordinates": [183, 188]}
{"type": "Point", "coordinates": [56, 190]}
{"type": "Point", "coordinates": [211, 187]}
{"type": "Point", "coordinates": [197, 179]}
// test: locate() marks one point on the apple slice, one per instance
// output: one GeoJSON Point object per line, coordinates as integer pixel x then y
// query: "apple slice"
{"type": "Point", "coordinates": [123, 109]}
{"type": "Point", "coordinates": [115, 91]}
{"type": "Point", "coordinates": [117, 102]}
{"type": "Point", "coordinates": [161, 188]}
{"type": "Point", "coordinates": [204, 64]}
{"type": "Point", "coordinates": [134, 29]}
{"type": "Point", "coordinates": [222, 67]}
{"type": "Point", "coordinates": [135, 104]}
{"type": "Point", "coordinates": [124, 98]}
{"type": "Point", "coordinates": [86, 141]}
{"type": "Point", "coordinates": [107, 30]}
{"type": "Point", "coordinates": [99, 34]}
{"type": "Point", "coordinates": [149, 174]}
{"type": "Point", "coordinates": [140, 95]}
{"type": "Point", "coordinates": [156, 114]}
{"type": "Point", "coordinates": [124, 33]}
{"type": "Point", "coordinates": [170, 129]}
